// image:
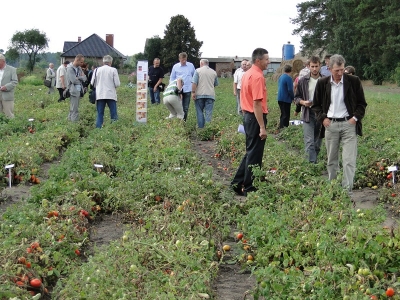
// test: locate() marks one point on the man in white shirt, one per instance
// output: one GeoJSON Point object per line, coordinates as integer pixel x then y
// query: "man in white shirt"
{"type": "Point", "coordinates": [237, 83]}
{"type": "Point", "coordinates": [105, 79]}
{"type": "Point", "coordinates": [61, 79]}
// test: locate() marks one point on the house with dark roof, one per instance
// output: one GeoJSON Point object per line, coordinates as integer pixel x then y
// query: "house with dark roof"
{"type": "Point", "coordinates": [93, 47]}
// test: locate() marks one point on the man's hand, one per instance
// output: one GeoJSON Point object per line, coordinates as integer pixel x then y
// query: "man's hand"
{"type": "Point", "coordinates": [326, 122]}
{"type": "Point", "coordinates": [3, 88]}
{"type": "Point", "coordinates": [263, 133]}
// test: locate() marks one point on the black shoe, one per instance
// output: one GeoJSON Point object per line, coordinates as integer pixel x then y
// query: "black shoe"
{"type": "Point", "coordinates": [238, 190]}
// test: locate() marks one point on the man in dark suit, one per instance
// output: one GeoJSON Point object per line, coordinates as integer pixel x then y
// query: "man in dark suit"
{"type": "Point", "coordinates": [339, 105]}
{"type": "Point", "coordinates": [8, 82]}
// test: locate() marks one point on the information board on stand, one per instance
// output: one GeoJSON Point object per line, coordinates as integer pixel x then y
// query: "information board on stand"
{"type": "Point", "coordinates": [141, 91]}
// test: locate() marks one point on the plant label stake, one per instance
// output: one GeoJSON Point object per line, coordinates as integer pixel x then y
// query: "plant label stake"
{"type": "Point", "coordinates": [98, 167]}
{"type": "Point", "coordinates": [9, 167]}
{"type": "Point", "coordinates": [31, 120]}
{"type": "Point", "coordinates": [393, 169]}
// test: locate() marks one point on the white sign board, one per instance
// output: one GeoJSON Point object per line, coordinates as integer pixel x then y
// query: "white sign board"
{"type": "Point", "coordinates": [141, 91]}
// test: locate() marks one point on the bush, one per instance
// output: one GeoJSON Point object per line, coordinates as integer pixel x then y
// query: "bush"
{"type": "Point", "coordinates": [31, 80]}
{"type": "Point", "coordinates": [396, 75]}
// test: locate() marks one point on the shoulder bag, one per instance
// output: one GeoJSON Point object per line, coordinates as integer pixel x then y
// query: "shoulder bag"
{"type": "Point", "coordinates": [92, 92]}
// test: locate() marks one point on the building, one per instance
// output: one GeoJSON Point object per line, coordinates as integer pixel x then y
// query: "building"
{"type": "Point", "coordinates": [225, 66]}
{"type": "Point", "coordinates": [93, 47]}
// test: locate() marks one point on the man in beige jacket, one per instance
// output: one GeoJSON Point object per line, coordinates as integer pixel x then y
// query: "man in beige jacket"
{"type": "Point", "coordinates": [8, 82]}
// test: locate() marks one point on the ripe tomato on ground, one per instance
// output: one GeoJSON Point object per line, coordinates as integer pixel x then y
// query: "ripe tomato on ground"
{"type": "Point", "coordinates": [389, 292]}
{"type": "Point", "coordinates": [35, 282]}
{"type": "Point", "coordinates": [240, 236]}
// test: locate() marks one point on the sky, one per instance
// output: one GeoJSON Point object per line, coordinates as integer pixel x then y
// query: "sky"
{"type": "Point", "coordinates": [227, 28]}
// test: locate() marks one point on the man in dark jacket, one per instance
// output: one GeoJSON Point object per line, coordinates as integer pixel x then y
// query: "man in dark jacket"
{"type": "Point", "coordinates": [339, 105]}
{"type": "Point", "coordinates": [304, 98]}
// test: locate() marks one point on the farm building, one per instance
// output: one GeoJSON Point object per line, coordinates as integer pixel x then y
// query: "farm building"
{"type": "Point", "coordinates": [225, 66]}
{"type": "Point", "coordinates": [93, 47]}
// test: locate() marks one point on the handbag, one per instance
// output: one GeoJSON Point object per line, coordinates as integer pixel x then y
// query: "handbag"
{"type": "Point", "coordinates": [92, 92]}
{"type": "Point", "coordinates": [92, 95]}
{"type": "Point", "coordinates": [47, 83]}
{"type": "Point", "coordinates": [161, 87]}
{"type": "Point", "coordinates": [66, 93]}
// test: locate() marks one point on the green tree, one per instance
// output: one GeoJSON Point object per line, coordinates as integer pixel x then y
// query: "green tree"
{"type": "Point", "coordinates": [365, 32]}
{"type": "Point", "coordinates": [31, 42]}
{"type": "Point", "coordinates": [179, 36]}
{"type": "Point", "coordinates": [153, 49]}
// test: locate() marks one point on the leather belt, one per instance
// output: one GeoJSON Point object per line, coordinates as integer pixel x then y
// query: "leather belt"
{"type": "Point", "coordinates": [340, 119]}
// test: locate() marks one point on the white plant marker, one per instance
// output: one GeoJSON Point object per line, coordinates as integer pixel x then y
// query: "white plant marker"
{"type": "Point", "coordinates": [393, 169]}
{"type": "Point", "coordinates": [9, 167]}
{"type": "Point", "coordinates": [98, 167]}
{"type": "Point", "coordinates": [31, 120]}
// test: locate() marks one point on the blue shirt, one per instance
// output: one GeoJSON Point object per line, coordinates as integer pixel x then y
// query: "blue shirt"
{"type": "Point", "coordinates": [285, 89]}
{"type": "Point", "coordinates": [185, 72]}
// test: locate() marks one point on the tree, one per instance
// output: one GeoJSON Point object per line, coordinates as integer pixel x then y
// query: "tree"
{"type": "Point", "coordinates": [179, 36]}
{"type": "Point", "coordinates": [153, 49]}
{"type": "Point", "coordinates": [365, 32]}
{"type": "Point", "coordinates": [31, 42]}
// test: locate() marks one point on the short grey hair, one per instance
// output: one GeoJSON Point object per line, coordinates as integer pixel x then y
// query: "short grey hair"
{"type": "Point", "coordinates": [2, 57]}
{"type": "Point", "coordinates": [107, 59]}
{"type": "Point", "coordinates": [204, 61]}
{"type": "Point", "coordinates": [336, 59]}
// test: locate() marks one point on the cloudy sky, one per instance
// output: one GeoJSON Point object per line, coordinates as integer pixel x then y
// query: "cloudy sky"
{"type": "Point", "coordinates": [227, 28]}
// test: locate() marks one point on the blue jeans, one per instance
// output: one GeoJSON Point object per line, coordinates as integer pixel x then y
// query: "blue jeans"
{"type": "Point", "coordinates": [185, 104]}
{"type": "Point", "coordinates": [312, 141]}
{"type": "Point", "coordinates": [100, 106]}
{"type": "Point", "coordinates": [204, 106]}
{"type": "Point", "coordinates": [154, 96]}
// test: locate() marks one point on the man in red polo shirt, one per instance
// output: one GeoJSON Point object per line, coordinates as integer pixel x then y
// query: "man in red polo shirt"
{"type": "Point", "coordinates": [253, 101]}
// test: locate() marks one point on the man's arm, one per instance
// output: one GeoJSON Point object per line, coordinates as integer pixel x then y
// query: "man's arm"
{"type": "Point", "coordinates": [259, 116]}
{"type": "Point", "coordinates": [173, 74]}
{"type": "Point", "coordinates": [13, 82]}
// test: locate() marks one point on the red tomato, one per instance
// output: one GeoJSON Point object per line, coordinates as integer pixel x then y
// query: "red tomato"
{"type": "Point", "coordinates": [28, 250]}
{"type": "Point", "coordinates": [28, 265]}
{"type": "Point", "coordinates": [20, 283]}
{"type": "Point", "coordinates": [389, 176]}
{"type": "Point", "coordinates": [35, 282]}
{"type": "Point", "coordinates": [389, 292]}
{"type": "Point", "coordinates": [34, 245]}
{"type": "Point", "coordinates": [240, 236]}
{"type": "Point", "coordinates": [77, 252]}
{"type": "Point", "coordinates": [393, 195]}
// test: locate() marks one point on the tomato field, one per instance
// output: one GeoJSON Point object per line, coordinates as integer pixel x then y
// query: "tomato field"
{"type": "Point", "coordinates": [299, 234]}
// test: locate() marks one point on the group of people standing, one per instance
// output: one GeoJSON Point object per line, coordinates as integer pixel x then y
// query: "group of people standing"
{"type": "Point", "coordinates": [185, 83]}
{"type": "Point", "coordinates": [76, 78]}
{"type": "Point", "coordinates": [332, 107]}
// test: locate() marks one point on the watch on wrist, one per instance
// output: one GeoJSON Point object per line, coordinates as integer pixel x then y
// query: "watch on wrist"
{"type": "Point", "coordinates": [355, 119]}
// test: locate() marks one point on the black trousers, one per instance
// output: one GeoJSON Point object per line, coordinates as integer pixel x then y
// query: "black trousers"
{"type": "Point", "coordinates": [60, 91]}
{"type": "Point", "coordinates": [285, 114]}
{"type": "Point", "coordinates": [254, 152]}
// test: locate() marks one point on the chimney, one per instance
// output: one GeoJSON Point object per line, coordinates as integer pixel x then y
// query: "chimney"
{"type": "Point", "coordinates": [110, 39]}
{"type": "Point", "coordinates": [79, 39]}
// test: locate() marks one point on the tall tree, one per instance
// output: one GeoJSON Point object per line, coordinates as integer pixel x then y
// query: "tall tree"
{"type": "Point", "coordinates": [153, 49]}
{"type": "Point", "coordinates": [179, 36]}
{"type": "Point", "coordinates": [31, 42]}
{"type": "Point", "coordinates": [365, 32]}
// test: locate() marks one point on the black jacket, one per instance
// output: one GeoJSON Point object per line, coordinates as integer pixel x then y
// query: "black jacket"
{"type": "Point", "coordinates": [353, 98]}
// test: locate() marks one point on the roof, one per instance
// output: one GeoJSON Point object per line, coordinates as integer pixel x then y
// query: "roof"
{"type": "Point", "coordinates": [219, 59]}
{"type": "Point", "coordinates": [93, 46]}
{"type": "Point", "coordinates": [69, 45]}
